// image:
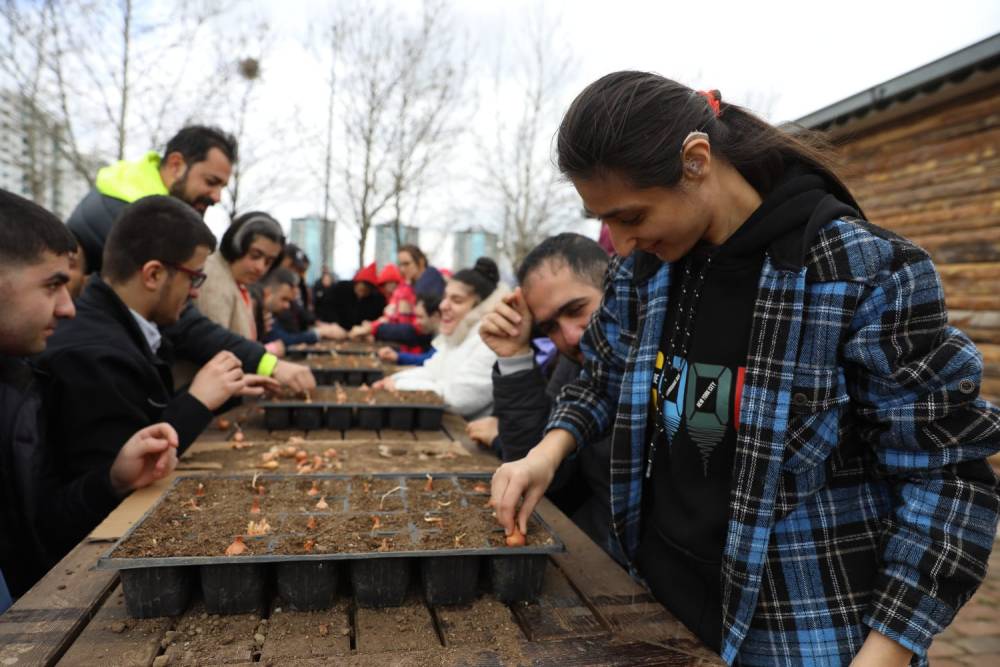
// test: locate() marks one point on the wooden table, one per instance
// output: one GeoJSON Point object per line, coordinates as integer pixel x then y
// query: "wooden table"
{"type": "Point", "coordinates": [590, 611]}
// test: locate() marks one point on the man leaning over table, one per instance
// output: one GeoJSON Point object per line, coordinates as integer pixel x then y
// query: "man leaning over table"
{"type": "Point", "coordinates": [34, 502]}
{"type": "Point", "coordinates": [194, 168]}
{"type": "Point", "coordinates": [110, 367]}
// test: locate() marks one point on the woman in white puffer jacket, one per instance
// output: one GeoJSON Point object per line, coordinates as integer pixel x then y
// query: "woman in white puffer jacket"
{"type": "Point", "coordinates": [461, 370]}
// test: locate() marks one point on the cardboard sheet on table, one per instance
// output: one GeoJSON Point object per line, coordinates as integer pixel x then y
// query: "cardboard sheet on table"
{"type": "Point", "coordinates": [129, 511]}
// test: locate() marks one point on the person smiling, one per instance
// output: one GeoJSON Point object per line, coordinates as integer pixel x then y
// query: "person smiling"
{"type": "Point", "coordinates": [798, 443]}
{"type": "Point", "coordinates": [250, 246]}
{"type": "Point", "coordinates": [460, 370]}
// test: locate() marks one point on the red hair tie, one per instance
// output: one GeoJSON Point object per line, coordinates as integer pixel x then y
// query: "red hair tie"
{"type": "Point", "coordinates": [713, 98]}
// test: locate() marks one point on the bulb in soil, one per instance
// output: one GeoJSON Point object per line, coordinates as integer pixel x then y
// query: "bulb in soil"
{"type": "Point", "coordinates": [222, 424]}
{"type": "Point", "coordinates": [385, 545]}
{"type": "Point", "coordinates": [311, 523]}
{"type": "Point", "coordinates": [237, 547]}
{"type": "Point", "coordinates": [238, 436]}
{"type": "Point", "coordinates": [481, 488]}
{"type": "Point", "coordinates": [317, 462]}
{"type": "Point", "coordinates": [308, 545]}
{"type": "Point", "coordinates": [269, 465]}
{"type": "Point", "coordinates": [260, 489]}
{"type": "Point", "coordinates": [255, 508]}
{"type": "Point", "coordinates": [267, 456]}
{"type": "Point", "coordinates": [376, 523]}
{"type": "Point", "coordinates": [330, 453]}
{"type": "Point", "coordinates": [296, 440]}
{"type": "Point", "coordinates": [313, 490]}
{"type": "Point", "coordinates": [301, 455]}
{"type": "Point", "coordinates": [515, 539]}
{"type": "Point", "coordinates": [429, 486]}
{"type": "Point", "coordinates": [322, 504]}
{"type": "Point", "coordinates": [289, 451]}
{"type": "Point", "coordinates": [304, 468]}
{"type": "Point", "coordinates": [261, 527]}
{"type": "Point", "coordinates": [194, 504]}
{"type": "Point", "coordinates": [200, 491]}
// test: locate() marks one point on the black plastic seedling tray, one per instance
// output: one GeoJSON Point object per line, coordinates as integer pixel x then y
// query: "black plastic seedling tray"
{"type": "Point", "coordinates": [300, 351]}
{"type": "Point", "coordinates": [164, 586]}
{"type": "Point", "coordinates": [352, 377]}
{"type": "Point", "coordinates": [280, 415]}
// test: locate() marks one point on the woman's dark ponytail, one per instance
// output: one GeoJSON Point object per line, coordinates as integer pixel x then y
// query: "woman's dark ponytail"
{"type": "Point", "coordinates": [634, 124]}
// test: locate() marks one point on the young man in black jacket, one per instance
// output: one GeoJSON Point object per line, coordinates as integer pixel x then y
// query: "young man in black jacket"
{"type": "Point", "coordinates": [194, 169]}
{"type": "Point", "coordinates": [560, 288]}
{"type": "Point", "coordinates": [36, 507]}
{"type": "Point", "coordinates": [110, 366]}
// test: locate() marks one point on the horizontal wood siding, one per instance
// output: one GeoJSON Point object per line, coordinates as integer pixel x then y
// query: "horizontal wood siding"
{"type": "Point", "coordinates": [934, 177]}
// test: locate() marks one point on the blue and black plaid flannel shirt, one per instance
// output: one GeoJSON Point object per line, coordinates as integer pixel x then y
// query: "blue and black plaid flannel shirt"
{"type": "Point", "coordinates": [861, 498]}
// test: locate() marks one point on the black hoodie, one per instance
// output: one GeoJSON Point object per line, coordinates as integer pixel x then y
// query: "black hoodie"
{"type": "Point", "coordinates": [693, 427]}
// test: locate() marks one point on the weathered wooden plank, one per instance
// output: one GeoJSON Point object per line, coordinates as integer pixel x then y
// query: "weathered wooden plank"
{"type": "Point", "coordinates": [559, 612]}
{"type": "Point", "coordinates": [567, 653]}
{"type": "Point", "coordinates": [395, 629]}
{"type": "Point", "coordinates": [619, 601]}
{"type": "Point", "coordinates": [360, 434]}
{"type": "Point", "coordinates": [113, 639]}
{"type": "Point", "coordinates": [307, 634]}
{"type": "Point", "coordinates": [439, 434]}
{"type": "Point", "coordinates": [484, 622]}
{"type": "Point", "coordinates": [46, 619]}
{"type": "Point", "coordinates": [395, 434]}
{"type": "Point", "coordinates": [204, 639]}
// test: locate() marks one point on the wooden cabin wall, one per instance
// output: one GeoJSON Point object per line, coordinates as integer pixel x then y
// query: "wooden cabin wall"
{"type": "Point", "coordinates": [934, 177]}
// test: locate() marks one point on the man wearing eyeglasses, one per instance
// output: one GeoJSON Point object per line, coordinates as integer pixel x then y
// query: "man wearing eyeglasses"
{"type": "Point", "coordinates": [109, 368]}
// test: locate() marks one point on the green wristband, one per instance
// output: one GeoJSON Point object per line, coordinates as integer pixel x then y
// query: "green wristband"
{"type": "Point", "coordinates": [267, 364]}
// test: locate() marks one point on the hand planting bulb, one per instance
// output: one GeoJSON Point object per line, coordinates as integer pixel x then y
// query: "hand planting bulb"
{"type": "Point", "coordinates": [237, 547]}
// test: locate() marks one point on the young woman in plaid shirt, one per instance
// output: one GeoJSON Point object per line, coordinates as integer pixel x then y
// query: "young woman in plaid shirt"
{"type": "Point", "coordinates": [798, 444]}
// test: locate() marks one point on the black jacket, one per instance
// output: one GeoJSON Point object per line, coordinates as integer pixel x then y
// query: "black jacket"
{"type": "Point", "coordinates": [340, 305]}
{"type": "Point", "coordinates": [582, 485]}
{"type": "Point", "coordinates": [31, 495]}
{"type": "Point", "coordinates": [105, 384]}
{"type": "Point", "coordinates": [195, 337]}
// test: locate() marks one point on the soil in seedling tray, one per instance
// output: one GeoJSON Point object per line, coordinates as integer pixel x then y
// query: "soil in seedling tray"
{"type": "Point", "coordinates": [345, 347]}
{"type": "Point", "coordinates": [344, 456]}
{"type": "Point", "coordinates": [345, 362]}
{"type": "Point", "coordinates": [340, 395]}
{"type": "Point", "coordinates": [307, 515]}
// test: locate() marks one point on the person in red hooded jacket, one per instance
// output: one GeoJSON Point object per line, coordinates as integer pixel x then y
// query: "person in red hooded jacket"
{"type": "Point", "coordinates": [399, 310]}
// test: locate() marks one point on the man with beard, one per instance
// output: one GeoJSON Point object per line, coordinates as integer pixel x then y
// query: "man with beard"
{"type": "Point", "coordinates": [194, 168]}
{"type": "Point", "coordinates": [560, 288]}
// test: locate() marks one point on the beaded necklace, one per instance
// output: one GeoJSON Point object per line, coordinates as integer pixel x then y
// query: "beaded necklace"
{"type": "Point", "coordinates": [680, 340]}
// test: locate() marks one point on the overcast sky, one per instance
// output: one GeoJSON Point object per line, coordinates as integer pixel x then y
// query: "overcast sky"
{"type": "Point", "coordinates": [783, 59]}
